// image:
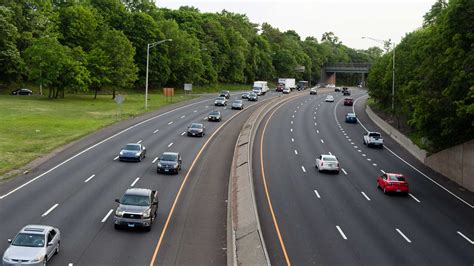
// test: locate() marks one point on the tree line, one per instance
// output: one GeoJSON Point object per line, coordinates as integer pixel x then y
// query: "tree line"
{"type": "Point", "coordinates": [78, 46]}
{"type": "Point", "coordinates": [434, 78]}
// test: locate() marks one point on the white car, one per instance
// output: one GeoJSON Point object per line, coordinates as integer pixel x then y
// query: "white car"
{"type": "Point", "coordinates": [33, 245]}
{"type": "Point", "coordinates": [373, 139]}
{"type": "Point", "coordinates": [329, 98]}
{"type": "Point", "coordinates": [327, 162]}
{"type": "Point", "coordinates": [286, 90]}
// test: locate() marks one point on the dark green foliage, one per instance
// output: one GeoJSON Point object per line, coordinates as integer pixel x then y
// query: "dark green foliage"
{"type": "Point", "coordinates": [434, 76]}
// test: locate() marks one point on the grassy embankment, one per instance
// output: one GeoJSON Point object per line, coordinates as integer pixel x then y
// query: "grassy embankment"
{"type": "Point", "coordinates": [32, 126]}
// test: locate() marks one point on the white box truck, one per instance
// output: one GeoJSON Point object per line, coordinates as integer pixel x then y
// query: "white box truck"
{"type": "Point", "coordinates": [286, 83]}
{"type": "Point", "coordinates": [260, 87]}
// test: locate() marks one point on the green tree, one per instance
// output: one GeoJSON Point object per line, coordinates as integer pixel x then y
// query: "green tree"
{"type": "Point", "coordinates": [78, 26]}
{"type": "Point", "coordinates": [10, 59]}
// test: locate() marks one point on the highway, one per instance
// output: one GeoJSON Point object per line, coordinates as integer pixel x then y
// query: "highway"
{"type": "Point", "coordinates": [343, 219]}
{"type": "Point", "coordinates": [76, 188]}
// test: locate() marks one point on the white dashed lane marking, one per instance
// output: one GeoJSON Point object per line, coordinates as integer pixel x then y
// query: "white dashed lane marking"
{"type": "Point", "coordinates": [88, 179]}
{"type": "Point", "coordinates": [140, 141]}
{"type": "Point", "coordinates": [171, 122]}
{"type": "Point", "coordinates": [292, 140]}
{"type": "Point", "coordinates": [116, 158]}
{"type": "Point", "coordinates": [317, 131]}
{"type": "Point", "coordinates": [365, 195]}
{"type": "Point", "coordinates": [50, 210]}
{"type": "Point", "coordinates": [344, 171]}
{"type": "Point", "coordinates": [171, 144]}
{"type": "Point", "coordinates": [341, 232]}
{"type": "Point", "coordinates": [154, 160]}
{"type": "Point", "coordinates": [296, 152]}
{"type": "Point", "coordinates": [382, 171]}
{"type": "Point", "coordinates": [183, 116]}
{"type": "Point", "coordinates": [182, 134]}
{"type": "Point", "coordinates": [134, 182]}
{"type": "Point", "coordinates": [302, 168]}
{"type": "Point", "coordinates": [322, 141]}
{"type": "Point", "coordinates": [403, 235]}
{"type": "Point", "coordinates": [317, 194]}
{"type": "Point", "coordinates": [154, 132]}
{"type": "Point", "coordinates": [107, 215]}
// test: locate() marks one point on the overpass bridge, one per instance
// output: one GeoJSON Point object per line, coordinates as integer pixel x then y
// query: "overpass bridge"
{"type": "Point", "coordinates": [329, 70]}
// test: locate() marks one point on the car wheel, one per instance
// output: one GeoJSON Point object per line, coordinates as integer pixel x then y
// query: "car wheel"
{"type": "Point", "coordinates": [116, 226]}
{"type": "Point", "coordinates": [57, 248]}
{"type": "Point", "coordinates": [378, 186]}
{"type": "Point", "coordinates": [148, 228]}
{"type": "Point", "coordinates": [384, 190]}
{"type": "Point", "coordinates": [45, 260]}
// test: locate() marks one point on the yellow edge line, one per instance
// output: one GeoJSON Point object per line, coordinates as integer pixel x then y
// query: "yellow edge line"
{"type": "Point", "coordinates": [277, 228]}
{"type": "Point", "coordinates": [163, 232]}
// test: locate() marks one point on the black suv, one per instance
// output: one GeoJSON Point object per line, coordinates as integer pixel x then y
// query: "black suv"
{"type": "Point", "coordinates": [169, 162]}
{"type": "Point", "coordinates": [22, 91]}
{"type": "Point", "coordinates": [137, 208]}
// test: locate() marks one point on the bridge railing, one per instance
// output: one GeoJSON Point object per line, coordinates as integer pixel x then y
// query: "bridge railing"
{"type": "Point", "coordinates": [348, 65]}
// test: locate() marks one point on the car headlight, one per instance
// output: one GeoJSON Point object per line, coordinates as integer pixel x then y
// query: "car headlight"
{"type": "Point", "coordinates": [119, 213]}
{"type": "Point", "coordinates": [137, 154]}
{"type": "Point", "coordinates": [37, 259]}
{"type": "Point", "coordinates": [121, 153]}
{"type": "Point", "coordinates": [175, 165]}
{"type": "Point", "coordinates": [7, 259]}
{"type": "Point", "coordinates": [210, 117]}
{"type": "Point", "coordinates": [146, 214]}
{"type": "Point", "coordinates": [159, 165]}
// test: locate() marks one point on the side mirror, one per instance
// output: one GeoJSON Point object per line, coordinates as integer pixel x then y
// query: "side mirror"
{"type": "Point", "coordinates": [155, 202]}
{"type": "Point", "coordinates": [9, 240]}
{"type": "Point", "coordinates": [117, 200]}
{"type": "Point", "coordinates": [50, 244]}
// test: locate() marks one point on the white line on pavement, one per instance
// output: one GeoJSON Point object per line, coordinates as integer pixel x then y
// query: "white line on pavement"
{"type": "Point", "coordinates": [116, 158]}
{"type": "Point", "coordinates": [356, 147]}
{"type": "Point", "coordinates": [154, 160]}
{"type": "Point", "coordinates": [88, 179]}
{"type": "Point", "coordinates": [207, 106]}
{"type": "Point", "coordinates": [465, 237]}
{"type": "Point", "coordinates": [296, 152]}
{"type": "Point", "coordinates": [70, 264]}
{"type": "Point", "coordinates": [374, 164]}
{"type": "Point", "coordinates": [404, 236]}
{"type": "Point", "coordinates": [171, 144]}
{"type": "Point", "coordinates": [182, 134]}
{"type": "Point", "coordinates": [368, 159]}
{"type": "Point", "coordinates": [291, 129]}
{"type": "Point", "coordinates": [359, 150]}
{"type": "Point", "coordinates": [292, 140]}
{"type": "Point", "coordinates": [171, 122]}
{"type": "Point", "coordinates": [291, 122]}
{"type": "Point", "coordinates": [107, 215]}
{"type": "Point", "coordinates": [365, 195]}
{"type": "Point", "coordinates": [183, 116]}
{"type": "Point", "coordinates": [413, 197]}
{"type": "Point", "coordinates": [154, 132]}
{"type": "Point", "coordinates": [134, 182]}
{"type": "Point", "coordinates": [293, 116]}
{"type": "Point", "coordinates": [322, 141]}
{"type": "Point", "coordinates": [195, 111]}
{"type": "Point", "coordinates": [317, 131]}
{"type": "Point", "coordinates": [344, 171]}
{"type": "Point", "coordinates": [382, 171]}
{"type": "Point", "coordinates": [363, 155]}
{"type": "Point", "coordinates": [317, 194]}
{"type": "Point", "coordinates": [314, 117]}
{"type": "Point", "coordinates": [50, 210]}
{"type": "Point", "coordinates": [302, 168]}
{"type": "Point", "coordinates": [140, 141]}
{"type": "Point", "coordinates": [340, 232]}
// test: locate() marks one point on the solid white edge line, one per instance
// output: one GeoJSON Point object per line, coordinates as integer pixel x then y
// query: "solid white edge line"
{"type": "Point", "coordinates": [302, 168]}
{"type": "Point", "coordinates": [88, 179]}
{"type": "Point", "coordinates": [344, 171]}
{"type": "Point", "coordinates": [114, 160]}
{"type": "Point", "coordinates": [414, 168]}
{"type": "Point", "coordinates": [413, 197]}
{"type": "Point", "coordinates": [171, 144]}
{"type": "Point", "coordinates": [465, 237]}
{"type": "Point", "coordinates": [134, 182]}
{"type": "Point", "coordinates": [317, 194]}
{"type": "Point", "coordinates": [97, 144]}
{"type": "Point", "coordinates": [154, 160]}
{"type": "Point", "coordinates": [140, 141]}
{"type": "Point", "coordinates": [365, 195]}
{"type": "Point", "coordinates": [50, 210]}
{"type": "Point", "coordinates": [341, 232]}
{"type": "Point", "coordinates": [404, 236]}
{"type": "Point", "coordinates": [107, 216]}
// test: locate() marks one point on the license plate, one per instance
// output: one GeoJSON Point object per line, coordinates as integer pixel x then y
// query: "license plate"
{"type": "Point", "coordinates": [131, 225]}
{"type": "Point", "coordinates": [194, 134]}
{"type": "Point", "coordinates": [166, 170]}
{"type": "Point", "coordinates": [398, 190]}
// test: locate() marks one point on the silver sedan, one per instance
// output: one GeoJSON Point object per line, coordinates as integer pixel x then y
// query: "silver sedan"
{"type": "Point", "coordinates": [33, 245]}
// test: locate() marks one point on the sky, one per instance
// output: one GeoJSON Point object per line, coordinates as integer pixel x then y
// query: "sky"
{"type": "Point", "coordinates": [350, 20]}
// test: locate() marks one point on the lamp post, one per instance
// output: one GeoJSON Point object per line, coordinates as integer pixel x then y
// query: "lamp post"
{"type": "Point", "coordinates": [393, 67]}
{"type": "Point", "coordinates": [150, 45]}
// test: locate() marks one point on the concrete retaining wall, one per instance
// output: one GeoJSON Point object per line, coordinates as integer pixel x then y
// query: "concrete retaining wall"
{"type": "Point", "coordinates": [456, 163]}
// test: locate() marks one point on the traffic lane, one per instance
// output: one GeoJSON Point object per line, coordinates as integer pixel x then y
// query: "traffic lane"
{"type": "Point", "coordinates": [422, 189]}
{"type": "Point", "coordinates": [345, 207]}
{"type": "Point", "coordinates": [197, 232]}
{"type": "Point", "coordinates": [403, 212]}
{"type": "Point", "coordinates": [298, 239]}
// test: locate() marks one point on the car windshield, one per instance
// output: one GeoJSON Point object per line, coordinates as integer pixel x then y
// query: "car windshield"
{"type": "Point", "coordinates": [137, 200]}
{"type": "Point", "coordinates": [196, 126]}
{"type": "Point", "coordinates": [329, 159]}
{"type": "Point", "coordinates": [214, 113]}
{"type": "Point", "coordinates": [220, 98]}
{"type": "Point", "coordinates": [29, 240]}
{"type": "Point", "coordinates": [169, 157]}
{"type": "Point", "coordinates": [132, 147]}
{"type": "Point", "coordinates": [396, 178]}
{"type": "Point", "coordinates": [375, 135]}
{"type": "Point", "coordinates": [350, 115]}
{"type": "Point", "coordinates": [237, 101]}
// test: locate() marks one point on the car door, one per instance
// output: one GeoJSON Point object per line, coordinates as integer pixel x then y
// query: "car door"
{"type": "Point", "coordinates": [154, 198]}
{"type": "Point", "coordinates": [50, 243]}
{"type": "Point", "coordinates": [384, 181]}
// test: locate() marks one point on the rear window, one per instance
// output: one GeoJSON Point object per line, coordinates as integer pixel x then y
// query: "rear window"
{"type": "Point", "coordinates": [396, 178]}
{"type": "Point", "coordinates": [329, 159]}
{"type": "Point", "coordinates": [376, 135]}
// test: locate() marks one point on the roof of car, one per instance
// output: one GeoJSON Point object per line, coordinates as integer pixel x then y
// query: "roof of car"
{"type": "Point", "coordinates": [214, 112]}
{"type": "Point", "coordinates": [138, 191]}
{"type": "Point", "coordinates": [170, 153]}
{"type": "Point", "coordinates": [35, 229]}
{"type": "Point", "coordinates": [328, 156]}
{"type": "Point", "coordinates": [351, 114]}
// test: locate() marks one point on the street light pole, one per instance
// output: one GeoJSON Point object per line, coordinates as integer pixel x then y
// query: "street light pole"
{"type": "Point", "coordinates": [150, 45]}
{"type": "Point", "coordinates": [393, 68]}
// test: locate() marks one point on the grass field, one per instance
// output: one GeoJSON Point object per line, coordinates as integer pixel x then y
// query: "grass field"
{"type": "Point", "coordinates": [31, 126]}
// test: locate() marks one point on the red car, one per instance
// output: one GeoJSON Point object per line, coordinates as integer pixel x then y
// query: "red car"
{"type": "Point", "coordinates": [349, 101]}
{"type": "Point", "coordinates": [390, 182]}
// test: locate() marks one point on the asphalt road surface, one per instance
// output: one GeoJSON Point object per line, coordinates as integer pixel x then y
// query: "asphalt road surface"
{"type": "Point", "coordinates": [75, 191]}
{"type": "Point", "coordinates": [343, 219]}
